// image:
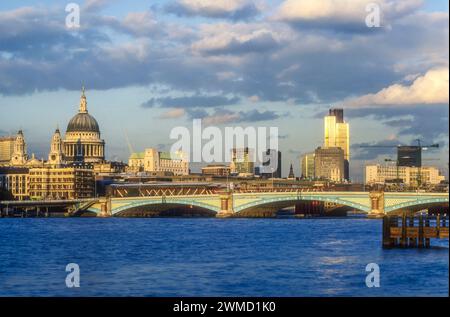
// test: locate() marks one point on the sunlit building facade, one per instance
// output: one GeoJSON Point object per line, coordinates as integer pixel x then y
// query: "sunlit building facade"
{"type": "Point", "coordinates": [153, 160]}
{"type": "Point", "coordinates": [410, 176]}
{"type": "Point", "coordinates": [337, 134]}
{"type": "Point", "coordinates": [61, 183]}
{"type": "Point", "coordinates": [307, 166]}
{"type": "Point", "coordinates": [6, 149]}
{"type": "Point", "coordinates": [216, 170]}
{"type": "Point", "coordinates": [14, 180]}
{"type": "Point", "coordinates": [329, 164]}
{"type": "Point", "coordinates": [242, 161]}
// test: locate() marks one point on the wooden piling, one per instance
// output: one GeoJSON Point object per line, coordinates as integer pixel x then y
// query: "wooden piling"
{"type": "Point", "coordinates": [387, 241]}
{"type": "Point", "coordinates": [394, 224]}
{"type": "Point", "coordinates": [420, 242]}
{"type": "Point", "coordinates": [403, 241]}
{"type": "Point", "coordinates": [438, 224]}
{"type": "Point", "coordinates": [412, 231]}
{"type": "Point", "coordinates": [427, 225]}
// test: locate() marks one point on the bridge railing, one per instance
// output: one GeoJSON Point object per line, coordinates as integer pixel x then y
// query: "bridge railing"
{"type": "Point", "coordinates": [46, 201]}
{"type": "Point", "coordinates": [277, 190]}
{"type": "Point", "coordinates": [186, 191]}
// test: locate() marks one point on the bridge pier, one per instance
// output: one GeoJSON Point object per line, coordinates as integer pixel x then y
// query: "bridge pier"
{"type": "Point", "coordinates": [377, 205]}
{"type": "Point", "coordinates": [226, 205]}
{"type": "Point", "coordinates": [106, 208]}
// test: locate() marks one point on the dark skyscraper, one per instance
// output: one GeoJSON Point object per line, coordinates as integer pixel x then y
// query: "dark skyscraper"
{"type": "Point", "coordinates": [277, 172]}
{"type": "Point", "coordinates": [409, 156]}
{"type": "Point", "coordinates": [338, 113]}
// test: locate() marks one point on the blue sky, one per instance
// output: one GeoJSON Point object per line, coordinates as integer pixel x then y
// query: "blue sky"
{"type": "Point", "coordinates": [151, 65]}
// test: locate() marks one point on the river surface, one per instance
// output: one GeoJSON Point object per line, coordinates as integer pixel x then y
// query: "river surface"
{"type": "Point", "coordinates": [212, 257]}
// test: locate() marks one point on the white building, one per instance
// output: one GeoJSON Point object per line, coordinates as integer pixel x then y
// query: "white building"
{"type": "Point", "coordinates": [153, 160]}
{"type": "Point", "coordinates": [408, 175]}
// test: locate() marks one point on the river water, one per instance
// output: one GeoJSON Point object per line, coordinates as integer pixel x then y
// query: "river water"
{"type": "Point", "coordinates": [212, 257]}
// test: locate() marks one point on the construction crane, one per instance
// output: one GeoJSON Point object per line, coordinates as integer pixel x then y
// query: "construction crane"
{"type": "Point", "coordinates": [130, 147]}
{"type": "Point", "coordinates": [422, 147]}
{"type": "Point", "coordinates": [419, 146]}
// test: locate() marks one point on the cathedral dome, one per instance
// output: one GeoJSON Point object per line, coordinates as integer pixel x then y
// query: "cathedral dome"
{"type": "Point", "coordinates": [83, 122]}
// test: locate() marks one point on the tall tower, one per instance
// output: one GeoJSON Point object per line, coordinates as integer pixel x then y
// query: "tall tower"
{"type": "Point", "coordinates": [56, 155]}
{"type": "Point", "coordinates": [337, 134]}
{"type": "Point", "coordinates": [20, 156]}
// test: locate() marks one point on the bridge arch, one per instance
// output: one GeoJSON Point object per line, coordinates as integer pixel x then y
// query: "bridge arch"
{"type": "Point", "coordinates": [283, 200]}
{"type": "Point", "coordinates": [158, 203]}
{"type": "Point", "coordinates": [418, 204]}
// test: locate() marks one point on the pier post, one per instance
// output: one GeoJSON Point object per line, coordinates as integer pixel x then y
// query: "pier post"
{"type": "Point", "coordinates": [403, 241]}
{"type": "Point", "coordinates": [438, 224]}
{"type": "Point", "coordinates": [387, 242]}
{"type": "Point", "coordinates": [393, 222]}
{"type": "Point", "coordinates": [420, 242]}
{"type": "Point", "coordinates": [412, 240]}
{"type": "Point", "coordinates": [427, 225]}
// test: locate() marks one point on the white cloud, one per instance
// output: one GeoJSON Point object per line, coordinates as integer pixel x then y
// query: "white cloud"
{"type": "Point", "coordinates": [239, 38]}
{"type": "Point", "coordinates": [431, 88]}
{"type": "Point", "coordinates": [330, 12]}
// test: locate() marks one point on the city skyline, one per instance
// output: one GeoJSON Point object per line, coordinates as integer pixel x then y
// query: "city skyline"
{"type": "Point", "coordinates": [220, 77]}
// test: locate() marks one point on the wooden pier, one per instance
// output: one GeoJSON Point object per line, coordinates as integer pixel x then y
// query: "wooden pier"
{"type": "Point", "coordinates": [413, 231]}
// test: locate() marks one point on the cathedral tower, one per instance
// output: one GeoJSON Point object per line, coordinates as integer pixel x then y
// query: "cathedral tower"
{"type": "Point", "coordinates": [20, 155]}
{"type": "Point", "coordinates": [56, 155]}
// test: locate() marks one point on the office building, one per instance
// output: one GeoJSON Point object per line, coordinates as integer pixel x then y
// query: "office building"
{"type": "Point", "coordinates": [216, 170]}
{"type": "Point", "coordinates": [270, 169]}
{"type": "Point", "coordinates": [307, 166]}
{"type": "Point", "coordinates": [61, 183]}
{"type": "Point", "coordinates": [14, 180]}
{"type": "Point", "coordinates": [6, 149]}
{"type": "Point", "coordinates": [153, 160]}
{"type": "Point", "coordinates": [410, 176]}
{"type": "Point", "coordinates": [242, 161]}
{"type": "Point", "coordinates": [329, 164]}
{"type": "Point", "coordinates": [409, 156]}
{"type": "Point", "coordinates": [337, 134]}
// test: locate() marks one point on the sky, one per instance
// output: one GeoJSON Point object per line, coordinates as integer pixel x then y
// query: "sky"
{"type": "Point", "coordinates": [149, 66]}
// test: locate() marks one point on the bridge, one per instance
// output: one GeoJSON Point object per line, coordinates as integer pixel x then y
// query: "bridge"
{"type": "Point", "coordinates": [226, 203]}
